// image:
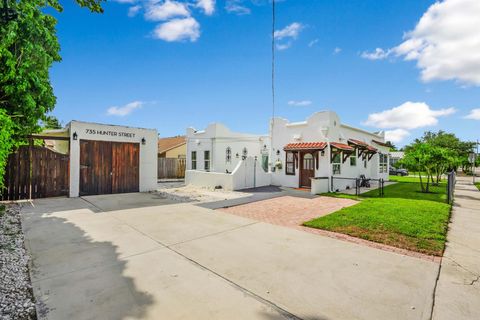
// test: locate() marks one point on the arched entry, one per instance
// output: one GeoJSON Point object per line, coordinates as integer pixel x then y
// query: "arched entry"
{"type": "Point", "coordinates": [307, 169]}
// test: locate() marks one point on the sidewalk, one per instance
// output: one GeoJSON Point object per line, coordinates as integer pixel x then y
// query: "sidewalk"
{"type": "Point", "coordinates": [458, 289]}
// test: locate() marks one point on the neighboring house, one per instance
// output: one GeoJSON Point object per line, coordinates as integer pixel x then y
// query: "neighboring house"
{"type": "Point", "coordinates": [396, 156]}
{"type": "Point", "coordinates": [319, 147]}
{"type": "Point", "coordinates": [172, 153]}
{"type": "Point", "coordinates": [172, 147]}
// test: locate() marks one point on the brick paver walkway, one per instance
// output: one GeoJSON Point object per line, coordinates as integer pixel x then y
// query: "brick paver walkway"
{"type": "Point", "coordinates": [289, 211]}
{"type": "Point", "coordinates": [292, 212]}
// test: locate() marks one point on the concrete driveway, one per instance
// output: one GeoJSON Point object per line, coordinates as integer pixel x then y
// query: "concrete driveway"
{"type": "Point", "coordinates": [137, 256]}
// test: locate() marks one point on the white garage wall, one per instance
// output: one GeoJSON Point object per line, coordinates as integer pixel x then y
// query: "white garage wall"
{"type": "Point", "coordinates": [103, 132]}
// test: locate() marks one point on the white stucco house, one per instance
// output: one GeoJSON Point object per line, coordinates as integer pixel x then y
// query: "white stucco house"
{"type": "Point", "coordinates": [324, 148]}
{"type": "Point", "coordinates": [320, 149]}
{"type": "Point", "coordinates": [219, 157]}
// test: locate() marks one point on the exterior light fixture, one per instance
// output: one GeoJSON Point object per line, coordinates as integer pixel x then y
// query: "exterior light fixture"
{"type": "Point", "coordinates": [322, 153]}
{"type": "Point", "coordinates": [75, 136]}
{"type": "Point", "coordinates": [7, 14]}
{"type": "Point", "coordinates": [278, 152]}
{"type": "Point", "coordinates": [237, 155]}
{"type": "Point", "coordinates": [144, 141]}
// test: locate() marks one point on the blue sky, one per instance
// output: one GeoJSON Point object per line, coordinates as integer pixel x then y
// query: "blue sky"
{"type": "Point", "coordinates": [180, 64]}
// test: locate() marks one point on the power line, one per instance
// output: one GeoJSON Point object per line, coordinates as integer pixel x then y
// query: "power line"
{"type": "Point", "coordinates": [273, 59]}
{"type": "Point", "coordinates": [273, 80]}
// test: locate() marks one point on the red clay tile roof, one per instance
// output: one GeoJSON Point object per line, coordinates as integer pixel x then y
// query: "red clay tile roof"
{"type": "Point", "coordinates": [341, 146]}
{"type": "Point", "coordinates": [383, 144]}
{"type": "Point", "coordinates": [165, 144]}
{"type": "Point", "coordinates": [305, 146]}
{"type": "Point", "coordinates": [362, 144]}
{"type": "Point", "coordinates": [358, 142]}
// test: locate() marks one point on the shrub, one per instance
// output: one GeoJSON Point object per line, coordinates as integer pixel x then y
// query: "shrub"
{"type": "Point", "coordinates": [6, 142]}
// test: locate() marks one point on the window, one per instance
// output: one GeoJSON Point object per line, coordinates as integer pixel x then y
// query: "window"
{"type": "Point", "coordinates": [383, 163]}
{"type": "Point", "coordinates": [353, 160]}
{"type": "Point", "coordinates": [194, 160]}
{"type": "Point", "coordinates": [290, 163]}
{"type": "Point", "coordinates": [336, 163]}
{"type": "Point", "coordinates": [228, 155]}
{"type": "Point", "coordinates": [206, 160]}
{"type": "Point", "coordinates": [265, 162]}
{"type": "Point", "coordinates": [244, 153]}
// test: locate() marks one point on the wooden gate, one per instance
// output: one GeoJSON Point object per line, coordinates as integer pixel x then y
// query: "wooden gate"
{"type": "Point", "coordinates": [108, 167]}
{"type": "Point", "coordinates": [171, 168]}
{"type": "Point", "coordinates": [36, 172]}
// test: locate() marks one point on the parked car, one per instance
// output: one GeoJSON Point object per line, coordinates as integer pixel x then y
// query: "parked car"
{"type": "Point", "coordinates": [398, 172]}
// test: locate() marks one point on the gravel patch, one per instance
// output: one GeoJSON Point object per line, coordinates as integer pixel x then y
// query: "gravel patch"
{"type": "Point", "coordinates": [197, 194]}
{"type": "Point", "coordinates": [16, 298]}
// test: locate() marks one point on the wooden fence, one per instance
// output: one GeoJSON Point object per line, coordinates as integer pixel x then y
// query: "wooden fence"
{"type": "Point", "coordinates": [171, 168]}
{"type": "Point", "coordinates": [35, 172]}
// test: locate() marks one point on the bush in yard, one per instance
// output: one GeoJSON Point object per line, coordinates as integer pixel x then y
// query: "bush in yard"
{"type": "Point", "coordinates": [6, 142]}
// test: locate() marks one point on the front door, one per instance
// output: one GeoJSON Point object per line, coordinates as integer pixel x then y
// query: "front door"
{"type": "Point", "coordinates": [307, 170]}
{"type": "Point", "coordinates": [108, 167]}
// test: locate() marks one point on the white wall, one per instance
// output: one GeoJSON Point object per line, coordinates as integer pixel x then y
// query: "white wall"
{"type": "Point", "coordinates": [102, 132]}
{"type": "Point", "coordinates": [247, 174]}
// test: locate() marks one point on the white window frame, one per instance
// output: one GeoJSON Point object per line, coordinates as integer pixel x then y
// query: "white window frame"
{"type": "Point", "coordinates": [206, 160]}
{"type": "Point", "coordinates": [337, 166]}
{"type": "Point", "coordinates": [353, 156]}
{"type": "Point", "coordinates": [193, 160]}
{"type": "Point", "coordinates": [228, 155]}
{"type": "Point", "coordinates": [382, 163]}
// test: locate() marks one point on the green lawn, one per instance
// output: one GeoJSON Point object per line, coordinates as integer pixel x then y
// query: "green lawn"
{"type": "Point", "coordinates": [405, 217]}
{"type": "Point", "coordinates": [478, 185]}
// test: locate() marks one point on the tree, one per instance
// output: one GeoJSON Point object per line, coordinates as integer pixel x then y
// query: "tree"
{"type": "Point", "coordinates": [419, 158]}
{"type": "Point", "coordinates": [51, 122]}
{"type": "Point", "coordinates": [450, 141]}
{"type": "Point", "coordinates": [391, 146]}
{"type": "Point", "coordinates": [28, 47]}
{"type": "Point", "coordinates": [6, 142]}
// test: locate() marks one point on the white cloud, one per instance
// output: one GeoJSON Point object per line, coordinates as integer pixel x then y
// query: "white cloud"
{"type": "Point", "coordinates": [313, 42]}
{"type": "Point", "coordinates": [235, 6]}
{"type": "Point", "coordinates": [445, 42]}
{"type": "Point", "coordinates": [163, 11]}
{"type": "Point", "coordinates": [396, 135]}
{"type": "Point", "coordinates": [283, 46]}
{"type": "Point", "coordinates": [125, 110]}
{"type": "Point", "coordinates": [178, 30]}
{"type": "Point", "coordinates": [409, 115]}
{"type": "Point", "coordinates": [474, 114]}
{"type": "Point", "coordinates": [132, 11]}
{"type": "Point", "coordinates": [337, 50]}
{"type": "Point", "coordinates": [301, 103]}
{"type": "Point", "coordinates": [290, 31]}
{"type": "Point", "coordinates": [287, 34]}
{"type": "Point", "coordinates": [378, 54]}
{"type": "Point", "coordinates": [125, 1]}
{"type": "Point", "coordinates": [208, 6]}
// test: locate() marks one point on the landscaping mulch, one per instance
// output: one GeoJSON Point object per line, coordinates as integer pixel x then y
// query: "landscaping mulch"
{"type": "Point", "coordinates": [16, 296]}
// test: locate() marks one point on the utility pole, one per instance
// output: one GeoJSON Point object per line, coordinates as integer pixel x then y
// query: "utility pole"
{"type": "Point", "coordinates": [475, 163]}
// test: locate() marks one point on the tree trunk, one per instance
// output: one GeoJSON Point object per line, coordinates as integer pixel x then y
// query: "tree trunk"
{"type": "Point", "coordinates": [421, 182]}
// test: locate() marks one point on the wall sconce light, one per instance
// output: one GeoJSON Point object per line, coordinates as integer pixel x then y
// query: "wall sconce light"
{"type": "Point", "coordinates": [237, 155]}
{"type": "Point", "coordinates": [75, 136]}
{"type": "Point", "coordinates": [144, 141]}
{"type": "Point", "coordinates": [322, 153]}
{"type": "Point", "coordinates": [278, 152]}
